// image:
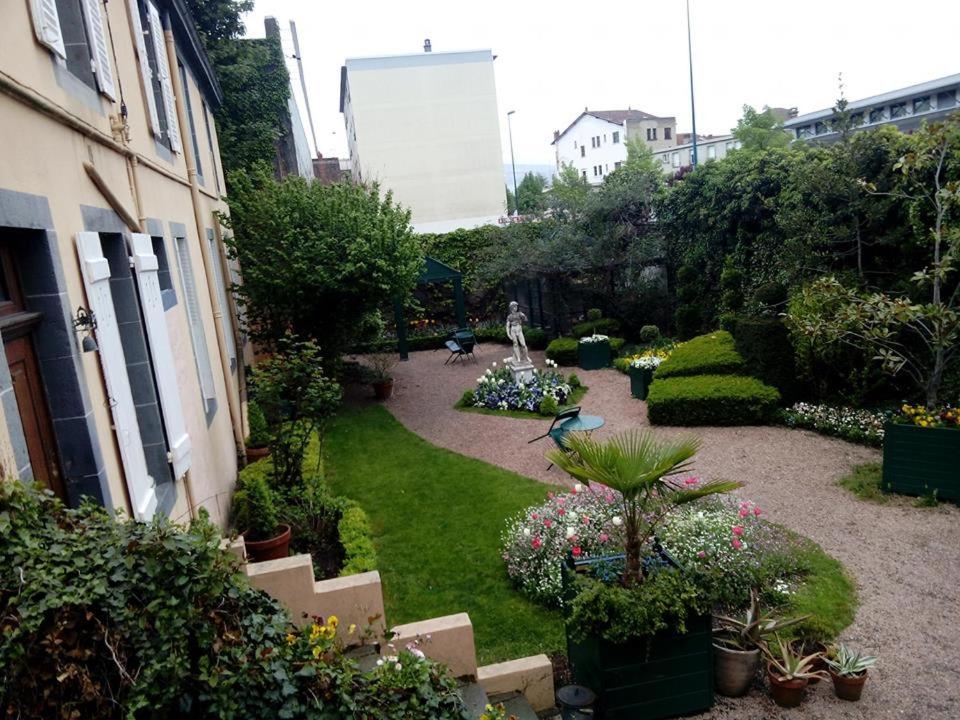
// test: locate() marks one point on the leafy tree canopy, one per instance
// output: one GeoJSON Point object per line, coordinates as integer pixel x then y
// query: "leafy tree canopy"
{"type": "Point", "coordinates": [531, 192]}
{"type": "Point", "coordinates": [760, 130]}
{"type": "Point", "coordinates": [218, 20]}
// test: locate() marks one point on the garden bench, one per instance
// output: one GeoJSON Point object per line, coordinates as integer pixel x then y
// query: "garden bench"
{"type": "Point", "coordinates": [461, 344]}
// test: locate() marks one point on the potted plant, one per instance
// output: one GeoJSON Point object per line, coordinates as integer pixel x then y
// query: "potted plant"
{"type": "Point", "coordinates": [920, 447]}
{"type": "Point", "coordinates": [382, 381]}
{"type": "Point", "coordinates": [736, 647]}
{"type": "Point", "coordinates": [258, 441]}
{"type": "Point", "coordinates": [788, 673]}
{"type": "Point", "coordinates": [849, 672]}
{"type": "Point", "coordinates": [255, 514]}
{"type": "Point", "coordinates": [641, 374]}
{"type": "Point", "coordinates": [637, 622]}
{"type": "Point", "coordinates": [593, 352]}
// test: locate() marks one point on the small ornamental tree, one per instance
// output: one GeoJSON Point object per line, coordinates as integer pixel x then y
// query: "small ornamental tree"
{"type": "Point", "coordinates": [918, 332]}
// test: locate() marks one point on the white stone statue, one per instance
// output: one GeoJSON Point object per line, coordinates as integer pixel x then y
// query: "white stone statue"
{"type": "Point", "coordinates": [515, 320]}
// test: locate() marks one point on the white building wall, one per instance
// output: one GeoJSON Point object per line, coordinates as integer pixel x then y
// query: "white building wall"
{"type": "Point", "coordinates": [593, 159]}
{"type": "Point", "coordinates": [426, 127]}
{"type": "Point", "coordinates": [672, 159]}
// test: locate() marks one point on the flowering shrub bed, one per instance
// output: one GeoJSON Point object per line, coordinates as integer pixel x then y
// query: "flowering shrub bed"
{"type": "Point", "coordinates": [945, 417]}
{"type": "Point", "coordinates": [648, 359]}
{"type": "Point", "coordinates": [726, 546]}
{"type": "Point", "coordinates": [595, 338]}
{"type": "Point", "coordinates": [497, 390]}
{"type": "Point", "coordinates": [862, 426]}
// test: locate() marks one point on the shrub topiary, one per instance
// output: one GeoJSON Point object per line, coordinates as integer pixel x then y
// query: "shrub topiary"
{"type": "Point", "coordinates": [254, 508]}
{"type": "Point", "coordinates": [260, 435]}
{"type": "Point", "coordinates": [563, 351]}
{"type": "Point", "coordinates": [594, 314]}
{"type": "Point", "coordinates": [714, 353]}
{"type": "Point", "coordinates": [687, 320]}
{"type": "Point", "coordinates": [602, 326]}
{"type": "Point", "coordinates": [468, 398]}
{"type": "Point", "coordinates": [765, 346]}
{"type": "Point", "coordinates": [771, 296]}
{"type": "Point", "coordinates": [616, 345]}
{"type": "Point", "coordinates": [711, 400]}
{"type": "Point", "coordinates": [548, 406]}
{"type": "Point", "coordinates": [574, 381]}
{"type": "Point", "coordinates": [356, 535]}
{"type": "Point", "coordinates": [649, 333]}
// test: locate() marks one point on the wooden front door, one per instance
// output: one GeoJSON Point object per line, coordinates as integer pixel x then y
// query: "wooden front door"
{"type": "Point", "coordinates": [16, 326]}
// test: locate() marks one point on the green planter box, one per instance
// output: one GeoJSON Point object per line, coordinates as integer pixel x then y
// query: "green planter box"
{"type": "Point", "coordinates": [918, 460]}
{"type": "Point", "coordinates": [593, 356]}
{"type": "Point", "coordinates": [640, 379]}
{"type": "Point", "coordinates": [663, 676]}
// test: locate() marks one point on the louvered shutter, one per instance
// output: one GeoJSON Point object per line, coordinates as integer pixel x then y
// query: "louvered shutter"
{"type": "Point", "coordinates": [93, 15]}
{"type": "Point", "coordinates": [192, 302]}
{"type": "Point", "coordinates": [46, 24]}
{"type": "Point", "coordinates": [96, 281]}
{"type": "Point", "coordinates": [222, 297]}
{"type": "Point", "coordinates": [146, 266]}
{"type": "Point", "coordinates": [146, 74]}
{"type": "Point", "coordinates": [166, 85]}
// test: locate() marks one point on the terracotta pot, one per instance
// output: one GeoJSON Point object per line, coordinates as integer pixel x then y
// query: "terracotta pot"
{"type": "Point", "coordinates": [270, 549]}
{"type": "Point", "coordinates": [256, 453]}
{"type": "Point", "coordinates": [383, 389]}
{"type": "Point", "coordinates": [734, 670]}
{"type": "Point", "coordinates": [848, 687]}
{"type": "Point", "coordinates": [786, 693]}
{"type": "Point", "coordinates": [818, 665]}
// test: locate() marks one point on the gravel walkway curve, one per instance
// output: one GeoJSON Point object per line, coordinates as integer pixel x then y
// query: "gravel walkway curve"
{"type": "Point", "coordinates": [906, 560]}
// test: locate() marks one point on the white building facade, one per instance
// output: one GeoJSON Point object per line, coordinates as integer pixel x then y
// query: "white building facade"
{"type": "Point", "coordinates": [708, 148]}
{"type": "Point", "coordinates": [596, 142]}
{"type": "Point", "coordinates": [426, 127]}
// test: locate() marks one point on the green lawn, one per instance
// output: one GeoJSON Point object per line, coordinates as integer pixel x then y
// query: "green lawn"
{"type": "Point", "coordinates": [437, 519]}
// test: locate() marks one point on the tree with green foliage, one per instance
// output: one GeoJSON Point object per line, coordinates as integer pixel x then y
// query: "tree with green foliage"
{"type": "Point", "coordinates": [318, 260]}
{"type": "Point", "coordinates": [569, 194]}
{"type": "Point", "coordinates": [218, 20]}
{"type": "Point", "coordinates": [531, 193]}
{"type": "Point", "coordinates": [760, 130]}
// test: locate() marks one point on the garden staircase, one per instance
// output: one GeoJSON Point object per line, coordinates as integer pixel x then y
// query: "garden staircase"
{"type": "Point", "coordinates": [524, 685]}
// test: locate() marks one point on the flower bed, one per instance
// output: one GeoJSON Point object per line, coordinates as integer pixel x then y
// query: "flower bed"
{"type": "Point", "coordinates": [944, 417]}
{"type": "Point", "coordinates": [726, 546]}
{"type": "Point", "coordinates": [498, 390]}
{"type": "Point", "coordinates": [855, 425]}
{"type": "Point", "coordinates": [647, 360]}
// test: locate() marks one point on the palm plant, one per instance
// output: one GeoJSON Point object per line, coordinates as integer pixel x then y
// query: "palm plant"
{"type": "Point", "coordinates": [748, 633]}
{"type": "Point", "coordinates": [640, 468]}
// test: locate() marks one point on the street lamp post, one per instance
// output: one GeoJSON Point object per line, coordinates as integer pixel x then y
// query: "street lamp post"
{"type": "Point", "coordinates": [693, 109]}
{"type": "Point", "coordinates": [516, 198]}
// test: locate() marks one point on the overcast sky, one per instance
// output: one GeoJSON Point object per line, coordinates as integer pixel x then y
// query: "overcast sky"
{"type": "Point", "coordinates": [555, 58]}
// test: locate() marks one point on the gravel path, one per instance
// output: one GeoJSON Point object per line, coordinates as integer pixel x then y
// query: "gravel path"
{"type": "Point", "coordinates": [906, 560]}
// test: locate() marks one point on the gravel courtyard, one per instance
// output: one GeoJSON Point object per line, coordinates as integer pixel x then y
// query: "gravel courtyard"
{"type": "Point", "coordinates": [905, 560]}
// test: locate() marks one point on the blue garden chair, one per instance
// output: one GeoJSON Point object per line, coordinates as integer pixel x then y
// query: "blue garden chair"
{"type": "Point", "coordinates": [557, 431]}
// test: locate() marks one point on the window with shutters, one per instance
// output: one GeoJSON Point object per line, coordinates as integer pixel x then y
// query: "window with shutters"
{"type": "Point", "coordinates": [190, 120]}
{"type": "Point", "coordinates": [201, 352]}
{"type": "Point", "coordinates": [213, 151]}
{"type": "Point", "coordinates": [155, 73]}
{"type": "Point", "coordinates": [76, 32]}
{"type": "Point", "coordinates": [223, 299]}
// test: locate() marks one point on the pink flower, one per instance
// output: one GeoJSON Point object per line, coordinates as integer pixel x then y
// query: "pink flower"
{"type": "Point", "coordinates": [737, 530]}
{"type": "Point", "coordinates": [586, 520]}
{"type": "Point", "coordinates": [691, 481]}
{"type": "Point", "coordinates": [548, 523]}
{"type": "Point", "coordinates": [534, 516]}
{"type": "Point", "coordinates": [561, 500]}
{"type": "Point", "coordinates": [604, 537]}
{"type": "Point", "coordinates": [576, 551]}
{"type": "Point", "coordinates": [756, 511]}
{"type": "Point", "coordinates": [561, 512]}
{"type": "Point", "coordinates": [573, 539]}
{"type": "Point", "coordinates": [535, 544]}
{"type": "Point", "coordinates": [744, 512]}
{"type": "Point", "coordinates": [736, 543]}
{"type": "Point", "coordinates": [701, 554]}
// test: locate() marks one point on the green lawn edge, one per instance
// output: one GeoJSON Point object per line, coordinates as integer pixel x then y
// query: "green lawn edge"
{"type": "Point", "coordinates": [575, 397]}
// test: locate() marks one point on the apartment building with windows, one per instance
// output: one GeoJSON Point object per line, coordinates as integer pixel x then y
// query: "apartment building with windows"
{"type": "Point", "coordinates": [595, 143]}
{"type": "Point", "coordinates": [122, 373]}
{"type": "Point", "coordinates": [905, 109]}
{"type": "Point", "coordinates": [426, 127]}
{"type": "Point", "coordinates": [709, 147]}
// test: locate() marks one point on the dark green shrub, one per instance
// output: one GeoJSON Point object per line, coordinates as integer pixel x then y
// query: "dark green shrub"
{"type": "Point", "coordinates": [356, 535]}
{"type": "Point", "coordinates": [765, 346]}
{"type": "Point", "coordinates": [731, 285]}
{"type": "Point", "coordinates": [574, 381]}
{"type": "Point", "coordinates": [314, 514]}
{"type": "Point", "coordinates": [468, 398]}
{"type": "Point", "coordinates": [649, 333]}
{"type": "Point", "coordinates": [687, 320]}
{"type": "Point", "coordinates": [771, 297]}
{"type": "Point", "coordinates": [254, 509]}
{"type": "Point", "coordinates": [602, 326]}
{"type": "Point", "coordinates": [536, 337]}
{"type": "Point", "coordinates": [728, 321]}
{"type": "Point", "coordinates": [548, 406]}
{"type": "Point", "coordinates": [687, 279]}
{"type": "Point", "coordinates": [594, 314]}
{"type": "Point", "coordinates": [711, 400]}
{"type": "Point", "coordinates": [563, 351]}
{"type": "Point", "coordinates": [260, 435]}
{"type": "Point", "coordinates": [616, 345]}
{"type": "Point", "coordinates": [714, 353]}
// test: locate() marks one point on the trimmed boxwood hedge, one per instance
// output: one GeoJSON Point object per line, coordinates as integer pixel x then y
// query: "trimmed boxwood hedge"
{"type": "Point", "coordinates": [356, 536]}
{"type": "Point", "coordinates": [765, 346]}
{"type": "Point", "coordinates": [711, 400]}
{"type": "Point", "coordinates": [563, 350]}
{"type": "Point", "coordinates": [713, 354]}
{"type": "Point", "coordinates": [603, 326]}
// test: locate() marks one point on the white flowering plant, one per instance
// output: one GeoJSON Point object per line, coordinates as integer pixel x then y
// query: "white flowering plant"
{"type": "Point", "coordinates": [595, 338]}
{"type": "Point", "coordinates": [646, 362]}
{"type": "Point", "coordinates": [498, 390]}
{"type": "Point", "coordinates": [853, 424]}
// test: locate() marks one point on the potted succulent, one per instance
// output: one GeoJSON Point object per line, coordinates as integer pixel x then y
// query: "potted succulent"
{"type": "Point", "coordinates": [789, 672]}
{"type": "Point", "coordinates": [638, 629]}
{"type": "Point", "coordinates": [849, 672]}
{"type": "Point", "coordinates": [593, 352]}
{"type": "Point", "coordinates": [382, 381]}
{"type": "Point", "coordinates": [736, 647]}
{"type": "Point", "coordinates": [258, 441]}
{"type": "Point", "coordinates": [255, 513]}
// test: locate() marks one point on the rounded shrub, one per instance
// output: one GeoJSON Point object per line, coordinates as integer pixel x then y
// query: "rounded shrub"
{"type": "Point", "coordinates": [594, 314]}
{"type": "Point", "coordinates": [711, 400]}
{"type": "Point", "coordinates": [714, 353]}
{"type": "Point", "coordinates": [649, 333]}
{"type": "Point", "coordinates": [468, 398]}
{"type": "Point", "coordinates": [687, 320]}
{"type": "Point", "coordinates": [771, 295]}
{"type": "Point", "coordinates": [548, 406]}
{"type": "Point", "coordinates": [574, 381]}
{"type": "Point", "coordinates": [602, 326]}
{"type": "Point", "coordinates": [259, 436]}
{"type": "Point", "coordinates": [563, 351]}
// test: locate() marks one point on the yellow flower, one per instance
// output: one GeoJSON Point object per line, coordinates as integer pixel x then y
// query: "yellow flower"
{"type": "Point", "coordinates": [333, 620]}
{"type": "Point", "coordinates": [291, 638]}
{"type": "Point", "coordinates": [352, 629]}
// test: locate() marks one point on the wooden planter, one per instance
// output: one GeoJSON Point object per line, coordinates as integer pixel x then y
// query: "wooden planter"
{"type": "Point", "coordinates": [640, 379]}
{"type": "Point", "coordinates": [662, 676]}
{"type": "Point", "coordinates": [593, 355]}
{"type": "Point", "coordinates": [918, 460]}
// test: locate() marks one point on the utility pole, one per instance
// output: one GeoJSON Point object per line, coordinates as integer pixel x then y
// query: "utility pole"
{"type": "Point", "coordinates": [303, 85]}
{"type": "Point", "coordinates": [516, 198]}
{"type": "Point", "coordinates": [693, 108]}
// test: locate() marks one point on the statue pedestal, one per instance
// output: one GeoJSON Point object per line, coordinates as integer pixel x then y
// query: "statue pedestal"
{"type": "Point", "coordinates": [522, 369]}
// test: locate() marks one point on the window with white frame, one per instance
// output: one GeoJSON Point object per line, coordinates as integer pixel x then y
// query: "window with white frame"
{"type": "Point", "coordinates": [155, 77]}
{"type": "Point", "coordinates": [201, 352]}
{"type": "Point", "coordinates": [711, 152]}
{"type": "Point", "coordinates": [667, 133]}
{"type": "Point", "coordinates": [223, 299]}
{"type": "Point", "coordinates": [76, 32]}
{"type": "Point", "coordinates": [583, 151]}
{"type": "Point", "coordinates": [616, 137]}
{"type": "Point", "coordinates": [921, 104]}
{"type": "Point", "coordinates": [675, 159]}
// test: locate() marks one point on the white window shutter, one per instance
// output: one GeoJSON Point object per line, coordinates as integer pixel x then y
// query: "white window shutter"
{"type": "Point", "coordinates": [46, 24]}
{"type": "Point", "coordinates": [192, 302]}
{"type": "Point", "coordinates": [146, 74]}
{"type": "Point", "coordinates": [96, 281]}
{"type": "Point", "coordinates": [93, 15]}
{"type": "Point", "coordinates": [146, 265]}
{"type": "Point", "coordinates": [222, 297]}
{"type": "Point", "coordinates": [166, 84]}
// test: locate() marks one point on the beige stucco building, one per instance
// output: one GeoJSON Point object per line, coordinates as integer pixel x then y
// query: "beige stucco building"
{"type": "Point", "coordinates": [110, 179]}
{"type": "Point", "coordinates": [426, 127]}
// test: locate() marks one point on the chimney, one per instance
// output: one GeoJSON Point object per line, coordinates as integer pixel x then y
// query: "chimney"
{"type": "Point", "coordinates": [426, 45]}
{"type": "Point", "coordinates": [556, 135]}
